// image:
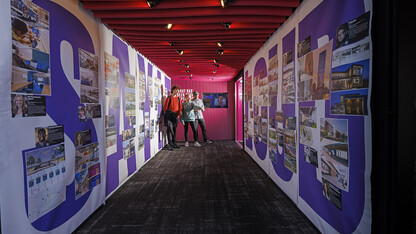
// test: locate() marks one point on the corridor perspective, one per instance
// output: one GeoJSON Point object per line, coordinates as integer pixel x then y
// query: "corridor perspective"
{"type": "Point", "coordinates": [216, 188]}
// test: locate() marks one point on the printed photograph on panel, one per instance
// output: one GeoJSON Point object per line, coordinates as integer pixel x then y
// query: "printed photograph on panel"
{"type": "Point", "coordinates": [305, 77]}
{"type": "Point", "coordinates": [88, 73]}
{"type": "Point", "coordinates": [352, 102]}
{"type": "Point", "coordinates": [334, 151]}
{"type": "Point", "coordinates": [45, 175]}
{"type": "Point", "coordinates": [288, 85]}
{"type": "Point", "coordinates": [321, 72]}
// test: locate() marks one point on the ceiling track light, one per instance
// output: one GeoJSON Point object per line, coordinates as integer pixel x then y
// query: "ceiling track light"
{"type": "Point", "coordinates": [186, 65]}
{"type": "Point", "coordinates": [217, 65]}
{"type": "Point", "coordinates": [180, 52]}
{"type": "Point", "coordinates": [215, 61]}
{"type": "Point", "coordinates": [226, 25]}
{"type": "Point", "coordinates": [152, 3]}
{"type": "Point", "coordinates": [220, 52]}
{"type": "Point", "coordinates": [171, 43]}
{"type": "Point", "coordinates": [224, 3]}
{"type": "Point", "coordinates": [181, 61]}
{"type": "Point", "coordinates": [187, 71]}
{"type": "Point", "coordinates": [190, 77]}
{"type": "Point", "coordinates": [214, 71]}
{"type": "Point", "coordinates": [220, 44]}
{"type": "Point", "coordinates": [169, 26]}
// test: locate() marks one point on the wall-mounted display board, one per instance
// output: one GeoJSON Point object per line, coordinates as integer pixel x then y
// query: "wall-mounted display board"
{"type": "Point", "coordinates": [215, 100]}
{"type": "Point", "coordinates": [76, 102]}
{"type": "Point", "coordinates": [307, 115]}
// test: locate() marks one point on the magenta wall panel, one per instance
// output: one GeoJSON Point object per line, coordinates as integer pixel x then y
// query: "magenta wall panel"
{"type": "Point", "coordinates": [239, 111]}
{"type": "Point", "coordinates": [220, 122]}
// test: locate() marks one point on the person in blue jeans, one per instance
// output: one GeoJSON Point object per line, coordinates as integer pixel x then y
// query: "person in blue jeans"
{"type": "Point", "coordinates": [199, 118]}
{"type": "Point", "coordinates": [188, 118]}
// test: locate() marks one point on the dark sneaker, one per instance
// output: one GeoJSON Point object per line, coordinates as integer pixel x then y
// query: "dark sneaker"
{"type": "Point", "coordinates": [170, 148]}
{"type": "Point", "coordinates": [208, 141]}
{"type": "Point", "coordinates": [175, 146]}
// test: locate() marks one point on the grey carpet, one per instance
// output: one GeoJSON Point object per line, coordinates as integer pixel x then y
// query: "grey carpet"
{"type": "Point", "coordinates": [216, 188]}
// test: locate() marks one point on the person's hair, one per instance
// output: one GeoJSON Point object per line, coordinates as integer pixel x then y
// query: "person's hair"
{"type": "Point", "coordinates": [80, 142]}
{"type": "Point", "coordinates": [15, 109]}
{"type": "Point", "coordinates": [195, 93]}
{"type": "Point", "coordinates": [188, 94]}
{"type": "Point", "coordinates": [42, 132]}
{"type": "Point", "coordinates": [20, 25]}
{"type": "Point", "coordinates": [343, 27]}
{"type": "Point", "coordinates": [174, 87]}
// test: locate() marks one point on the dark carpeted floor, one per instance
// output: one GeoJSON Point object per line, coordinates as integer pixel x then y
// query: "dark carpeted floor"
{"type": "Point", "coordinates": [216, 188]}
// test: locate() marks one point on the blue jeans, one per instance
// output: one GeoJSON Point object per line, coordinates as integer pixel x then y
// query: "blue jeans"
{"type": "Point", "coordinates": [201, 123]}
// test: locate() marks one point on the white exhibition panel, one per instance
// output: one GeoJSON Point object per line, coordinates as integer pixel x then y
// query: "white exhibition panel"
{"type": "Point", "coordinates": [65, 115]}
{"type": "Point", "coordinates": [307, 95]}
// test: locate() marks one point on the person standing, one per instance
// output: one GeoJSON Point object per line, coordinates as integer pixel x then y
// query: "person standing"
{"type": "Point", "coordinates": [188, 117]}
{"type": "Point", "coordinates": [172, 109]}
{"type": "Point", "coordinates": [199, 118]}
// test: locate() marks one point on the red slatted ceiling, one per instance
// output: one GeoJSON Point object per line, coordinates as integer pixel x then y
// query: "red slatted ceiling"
{"type": "Point", "coordinates": [197, 29]}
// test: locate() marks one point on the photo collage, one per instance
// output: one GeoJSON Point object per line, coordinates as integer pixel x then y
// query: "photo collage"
{"type": "Point", "coordinates": [87, 169]}
{"type": "Point", "coordinates": [130, 95]}
{"type": "Point", "coordinates": [308, 131]}
{"type": "Point", "coordinates": [45, 172]}
{"type": "Point", "coordinates": [141, 137]}
{"type": "Point", "coordinates": [351, 68]}
{"type": "Point", "coordinates": [31, 79]}
{"type": "Point", "coordinates": [128, 142]}
{"type": "Point", "coordinates": [273, 80]}
{"type": "Point", "coordinates": [288, 84]}
{"type": "Point", "coordinates": [314, 71]}
{"type": "Point", "coordinates": [88, 69]}
{"type": "Point", "coordinates": [340, 77]}
{"type": "Point", "coordinates": [150, 90]}
{"type": "Point", "coordinates": [112, 79]}
{"type": "Point", "coordinates": [289, 138]}
{"type": "Point", "coordinates": [142, 90]}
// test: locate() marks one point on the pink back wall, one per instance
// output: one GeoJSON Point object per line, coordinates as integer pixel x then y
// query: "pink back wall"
{"type": "Point", "coordinates": [220, 122]}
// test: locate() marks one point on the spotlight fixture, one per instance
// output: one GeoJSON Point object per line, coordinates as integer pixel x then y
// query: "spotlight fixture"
{"type": "Point", "coordinates": [187, 71]}
{"type": "Point", "coordinates": [180, 52]}
{"type": "Point", "coordinates": [171, 43]}
{"type": "Point", "coordinates": [215, 61]}
{"type": "Point", "coordinates": [214, 71]}
{"type": "Point", "coordinates": [219, 44]}
{"type": "Point", "coordinates": [186, 65]}
{"type": "Point", "coordinates": [226, 25]}
{"type": "Point", "coordinates": [152, 3]}
{"type": "Point", "coordinates": [181, 61]}
{"type": "Point", "coordinates": [217, 65]}
{"type": "Point", "coordinates": [190, 77]}
{"type": "Point", "coordinates": [224, 3]}
{"type": "Point", "coordinates": [220, 52]}
{"type": "Point", "coordinates": [169, 26]}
